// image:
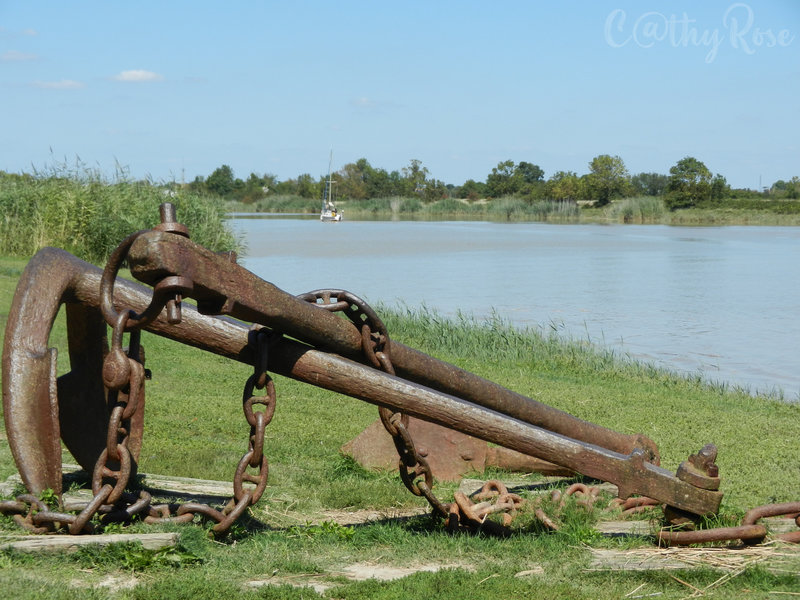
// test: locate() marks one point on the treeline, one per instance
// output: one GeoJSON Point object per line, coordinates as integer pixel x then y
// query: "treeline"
{"type": "Point", "coordinates": [354, 181]}
{"type": "Point", "coordinates": [689, 183]}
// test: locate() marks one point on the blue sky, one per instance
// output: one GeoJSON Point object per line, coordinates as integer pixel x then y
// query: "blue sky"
{"type": "Point", "coordinates": [172, 90]}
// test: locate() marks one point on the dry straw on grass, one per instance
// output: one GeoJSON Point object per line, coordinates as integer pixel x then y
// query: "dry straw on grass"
{"type": "Point", "coordinates": [777, 558]}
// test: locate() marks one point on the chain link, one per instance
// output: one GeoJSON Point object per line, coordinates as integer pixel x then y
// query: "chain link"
{"type": "Point", "coordinates": [243, 496]}
{"type": "Point", "coordinates": [749, 532]}
{"type": "Point", "coordinates": [415, 472]}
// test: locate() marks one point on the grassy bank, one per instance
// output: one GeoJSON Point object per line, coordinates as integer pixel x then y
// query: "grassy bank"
{"type": "Point", "coordinates": [194, 427]}
{"type": "Point", "coordinates": [88, 216]}
{"type": "Point", "coordinates": [644, 210]}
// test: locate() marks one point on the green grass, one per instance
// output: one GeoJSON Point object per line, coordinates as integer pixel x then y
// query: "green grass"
{"type": "Point", "coordinates": [194, 427]}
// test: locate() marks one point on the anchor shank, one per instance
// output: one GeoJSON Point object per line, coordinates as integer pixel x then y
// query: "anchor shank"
{"type": "Point", "coordinates": [224, 287]}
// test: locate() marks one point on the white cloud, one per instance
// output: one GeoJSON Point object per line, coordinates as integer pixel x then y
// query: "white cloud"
{"type": "Point", "coordinates": [16, 56]}
{"type": "Point", "coordinates": [367, 104]}
{"type": "Point", "coordinates": [137, 76]}
{"type": "Point", "coordinates": [364, 102]}
{"type": "Point", "coordinates": [64, 84]}
{"type": "Point", "coordinates": [30, 32]}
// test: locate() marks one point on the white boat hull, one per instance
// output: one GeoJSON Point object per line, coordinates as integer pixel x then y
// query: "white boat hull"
{"type": "Point", "coordinates": [330, 217]}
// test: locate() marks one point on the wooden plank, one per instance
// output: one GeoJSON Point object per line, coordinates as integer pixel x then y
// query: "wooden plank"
{"type": "Point", "coordinates": [71, 543]}
{"type": "Point", "coordinates": [625, 560]}
{"type": "Point", "coordinates": [205, 488]}
{"type": "Point", "coordinates": [200, 490]}
{"type": "Point", "coordinates": [624, 528]}
{"type": "Point", "coordinates": [540, 485]}
{"type": "Point", "coordinates": [776, 558]}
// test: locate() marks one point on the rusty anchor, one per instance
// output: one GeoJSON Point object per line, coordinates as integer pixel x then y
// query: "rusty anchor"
{"type": "Point", "coordinates": [299, 337]}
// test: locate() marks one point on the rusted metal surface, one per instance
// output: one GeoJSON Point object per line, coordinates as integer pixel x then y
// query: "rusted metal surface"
{"type": "Point", "coordinates": [749, 532]}
{"type": "Point", "coordinates": [631, 473]}
{"type": "Point", "coordinates": [790, 510]}
{"type": "Point", "coordinates": [221, 287]}
{"type": "Point", "coordinates": [450, 453]}
{"type": "Point", "coordinates": [719, 534]}
{"type": "Point", "coordinates": [511, 460]}
{"type": "Point", "coordinates": [36, 407]}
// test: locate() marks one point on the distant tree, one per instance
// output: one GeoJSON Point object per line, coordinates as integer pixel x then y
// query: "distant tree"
{"type": "Point", "coordinates": [352, 184]}
{"type": "Point", "coordinates": [252, 189]}
{"type": "Point", "coordinates": [198, 185]}
{"type": "Point", "coordinates": [565, 186]}
{"type": "Point", "coordinates": [689, 184]}
{"type": "Point", "coordinates": [435, 190]}
{"type": "Point", "coordinates": [221, 181]}
{"type": "Point", "coordinates": [399, 185]}
{"type": "Point", "coordinates": [307, 187]}
{"type": "Point", "coordinates": [649, 184]}
{"type": "Point", "coordinates": [416, 176]}
{"type": "Point", "coordinates": [531, 180]}
{"type": "Point", "coordinates": [504, 180]}
{"type": "Point", "coordinates": [607, 178]}
{"type": "Point", "coordinates": [719, 187]}
{"type": "Point", "coordinates": [787, 189]}
{"type": "Point", "coordinates": [472, 190]}
{"type": "Point", "coordinates": [379, 184]}
{"type": "Point", "coordinates": [529, 173]}
{"type": "Point", "coordinates": [285, 188]}
{"type": "Point", "coordinates": [793, 190]}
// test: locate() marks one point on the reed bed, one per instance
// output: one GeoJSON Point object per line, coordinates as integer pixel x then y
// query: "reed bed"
{"type": "Point", "coordinates": [647, 209]}
{"type": "Point", "coordinates": [279, 203]}
{"type": "Point", "coordinates": [88, 216]}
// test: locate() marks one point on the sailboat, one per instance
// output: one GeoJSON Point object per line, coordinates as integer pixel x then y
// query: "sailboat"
{"type": "Point", "coordinates": [329, 211]}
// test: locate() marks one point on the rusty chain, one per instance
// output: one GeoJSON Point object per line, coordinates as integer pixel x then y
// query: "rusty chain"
{"type": "Point", "coordinates": [123, 376]}
{"type": "Point", "coordinates": [749, 532]}
{"type": "Point", "coordinates": [471, 514]}
{"type": "Point", "coordinates": [415, 472]}
{"type": "Point", "coordinates": [243, 497]}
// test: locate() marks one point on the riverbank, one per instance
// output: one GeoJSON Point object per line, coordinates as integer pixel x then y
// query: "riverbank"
{"type": "Point", "coordinates": [645, 210]}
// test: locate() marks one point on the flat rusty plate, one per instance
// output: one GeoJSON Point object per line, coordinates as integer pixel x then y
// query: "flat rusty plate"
{"type": "Point", "coordinates": [450, 454]}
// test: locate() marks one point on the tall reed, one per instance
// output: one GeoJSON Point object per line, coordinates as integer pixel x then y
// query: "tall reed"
{"type": "Point", "coordinates": [647, 209]}
{"type": "Point", "coordinates": [282, 203]}
{"type": "Point", "coordinates": [89, 216]}
{"type": "Point", "coordinates": [516, 209]}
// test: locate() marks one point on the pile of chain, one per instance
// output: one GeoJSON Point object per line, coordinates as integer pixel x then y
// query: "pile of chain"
{"type": "Point", "coordinates": [494, 498]}
{"type": "Point", "coordinates": [472, 514]}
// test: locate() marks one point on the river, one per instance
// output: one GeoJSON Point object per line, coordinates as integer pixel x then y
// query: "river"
{"type": "Point", "coordinates": [722, 302]}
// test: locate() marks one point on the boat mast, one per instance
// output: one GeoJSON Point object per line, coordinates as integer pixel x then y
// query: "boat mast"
{"type": "Point", "coordinates": [329, 187]}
